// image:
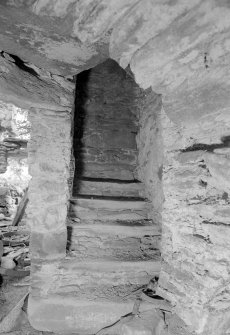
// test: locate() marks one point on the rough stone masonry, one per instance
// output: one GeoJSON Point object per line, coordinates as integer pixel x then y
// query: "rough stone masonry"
{"type": "Point", "coordinates": [178, 49]}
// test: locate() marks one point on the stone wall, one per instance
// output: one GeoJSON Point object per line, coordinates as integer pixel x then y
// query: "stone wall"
{"type": "Point", "coordinates": [195, 243]}
{"type": "Point", "coordinates": [150, 151]}
{"type": "Point", "coordinates": [106, 123]}
{"type": "Point", "coordinates": [49, 160]}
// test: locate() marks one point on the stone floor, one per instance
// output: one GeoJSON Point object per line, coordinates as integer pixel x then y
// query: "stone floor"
{"type": "Point", "coordinates": [10, 293]}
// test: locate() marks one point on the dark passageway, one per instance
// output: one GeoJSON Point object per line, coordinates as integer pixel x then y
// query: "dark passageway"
{"type": "Point", "coordinates": [105, 127]}
{"type": "Point", "coordinates": [105, 149]}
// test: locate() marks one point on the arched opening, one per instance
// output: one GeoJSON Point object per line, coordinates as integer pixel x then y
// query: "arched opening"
{"type": "Point", "coordinates": [115, 211]}
{"type": "Point", "coordinates": [116, 143]}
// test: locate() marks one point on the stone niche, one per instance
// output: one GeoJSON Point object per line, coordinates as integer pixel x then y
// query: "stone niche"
{"type": "Point", "coordinates": [114, 216]}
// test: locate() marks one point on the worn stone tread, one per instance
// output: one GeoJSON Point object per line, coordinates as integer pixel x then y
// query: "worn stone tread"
{"type": "Point", "coordinates": [103, 280]}
{"type": "Point", "coordinates": [109, 209]}
{"type": "Point", "coordinates": [107, 266]}
{"type": "Point", "coordinates": [73, 315]}
{"type": "Point", "coordinates": [108, 188]}
{"type": "Point", "coordinates": [110, 242]}
{"type": "Point", "coordinates": [81, 196]}
{"type": "Point", "coordinates": [136, 222]}
{"type": "Point", "coordinates": [122, 231]}
{"type": "Point", "coordinates": [102, 170]}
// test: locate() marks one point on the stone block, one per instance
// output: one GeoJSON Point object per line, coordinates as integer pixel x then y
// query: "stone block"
{"type": "Point", "coordinates": [101, 279]}
{"type": "Point", "coordinates": [114, 242]}
{"type": "Point", "coordinates": [109, 209]}
{"type": "Point", "coordinates": [48, 244]}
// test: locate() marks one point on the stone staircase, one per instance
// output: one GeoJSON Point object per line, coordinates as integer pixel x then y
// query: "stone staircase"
{"type": "Point", "coordinates": [112, 234]}
{"type": "Point", "coordinates": [108, 201]}
{"type": "Point", "coordinates": [113, 250]}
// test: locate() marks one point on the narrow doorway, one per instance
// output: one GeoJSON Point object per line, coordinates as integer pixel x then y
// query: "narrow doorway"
{"type": "Point", "coordinates": [105, 128]}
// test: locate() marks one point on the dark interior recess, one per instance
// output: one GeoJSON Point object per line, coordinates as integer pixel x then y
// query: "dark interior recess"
{"type": "Point", "coordinates": [105, 126]}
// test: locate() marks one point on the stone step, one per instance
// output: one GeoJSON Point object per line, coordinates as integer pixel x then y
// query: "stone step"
{"type": "Point", "coordinates": [110, 222]}
{"type": "Point", "coordinates": [113, 242]}
{"type": "Point", "coordinates": [101, 279]}
{"type": "Point", "coordinates": [108, 208]}
{"type": "Point", "coordinates": [69, 315]}
{"type": "Point", "coordinates": [108, 187]}
{"type": "Point", "coordinates": [106, 170]}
